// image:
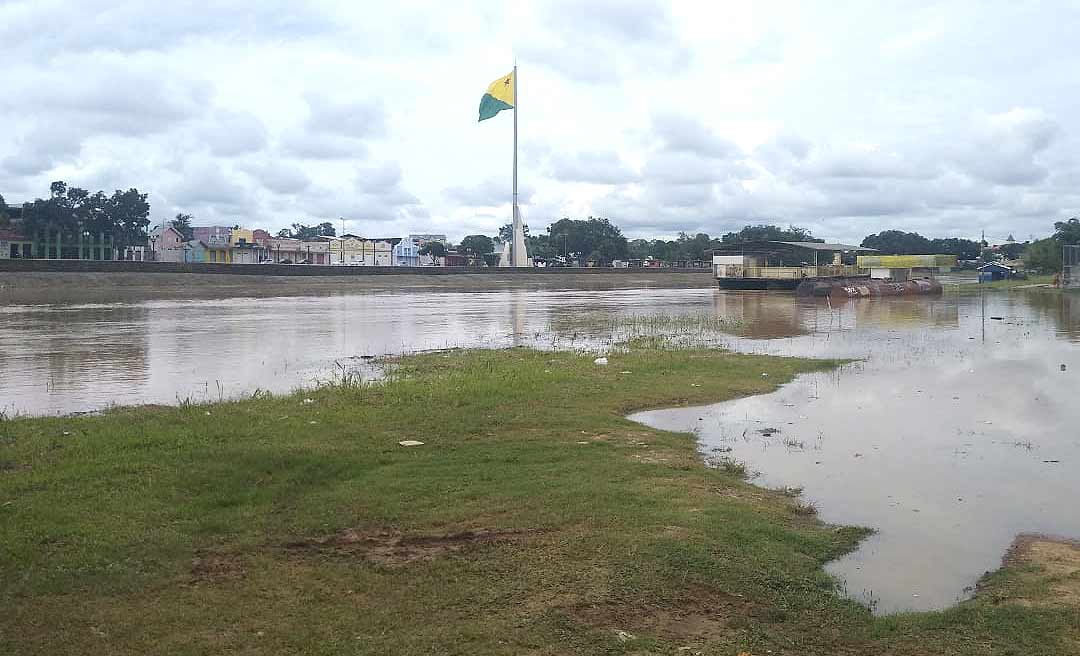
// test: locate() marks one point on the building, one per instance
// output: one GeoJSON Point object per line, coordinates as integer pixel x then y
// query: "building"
{"type": "Point", "coordinates": [351, 250]}
{"type": "Point", "coordinates": [407, 253]}
{"type": "Point", "coordinates": [15, 245]}
{"type": "Point", "coordinates": [992, 271]}
{"type": "Point", "coordinates": [166, 244]}
{"type": "Point", "coordinates": [211, 235]}
{"type": "Point", "coordinates": [195, 252]}
{"type": "Point", "coordinates": [1070, 258]}
{"type": "Point", "coordinates": [244, 249]}
{"type": "Point", "coordinates": [898, 268]}
{"type": "Point", "coordinates": [422, 239]}
{"type": "Point", "coordinates": [782, 264]}
{"type": "Point", "coordinates": [285, 250]}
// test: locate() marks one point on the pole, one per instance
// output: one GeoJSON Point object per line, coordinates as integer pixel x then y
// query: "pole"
{"type": "Point", "coordinates": [517, 218]}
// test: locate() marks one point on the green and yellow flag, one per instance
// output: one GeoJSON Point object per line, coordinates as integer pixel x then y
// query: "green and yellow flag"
{"type": "Point", "coordinates": [499, 96]}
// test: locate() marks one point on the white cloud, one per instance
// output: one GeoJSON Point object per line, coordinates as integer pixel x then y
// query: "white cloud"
{"type": "Point", "coordinates": [663, 116]}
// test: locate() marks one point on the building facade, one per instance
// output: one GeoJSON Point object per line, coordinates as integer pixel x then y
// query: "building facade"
{"type": "Point", "coordinates": [407, 253]}
{"type": "Point", "coordinates": [283, 250]}
{"type": "Point", "coordinates": [166, 244]}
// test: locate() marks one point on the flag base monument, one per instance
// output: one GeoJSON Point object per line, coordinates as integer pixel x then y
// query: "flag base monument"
{"type": "Point", "coordinates": [502, 94]}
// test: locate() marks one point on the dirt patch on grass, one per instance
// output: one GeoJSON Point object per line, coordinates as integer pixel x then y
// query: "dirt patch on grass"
{"type": "Point", "coordinates": [213, 567]}
{"type": "Point", "coordinates": [1058, 560]}
{"type": "Point", "coordinates": [391, 548]}
{"type": "Point", "coordinates": [700, 615]}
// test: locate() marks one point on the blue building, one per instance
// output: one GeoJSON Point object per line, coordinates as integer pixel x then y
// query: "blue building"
{"type": "Point", "coordinates": [407, 253]}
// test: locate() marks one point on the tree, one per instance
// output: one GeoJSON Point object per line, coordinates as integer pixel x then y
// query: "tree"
{"type": "Point", "coordinates": [5, 220]}
{"type": "Point", "coordinates": [1067, 232]}
{"type": "Point", "coordinates": [1012, 249]}
{"type": "Point", "coordinates": [1043, 255]}
{"type": "Point", "coordinates": [898, 242]}
{"type": "Point", "coordinates": [593, 238]}
{"type": "Point", "coordinates": [130, 215]}
{"type": "Point", "coordinates": [769, 233]}
{"type": "Point", "coordinates": [182, 224]}
{"type": "Point", "coordinates": [963, 249]}
{"type": "Point", "coordinates": [434, 249]}
{"type": "Point", "coordinates": [476, 246]}
{"type": "Point", "coordinates": [539, 246]}
{"type": "Point", "coordinates": [306, 232]}
{"type": "Point", "coordinates": [506, 233]}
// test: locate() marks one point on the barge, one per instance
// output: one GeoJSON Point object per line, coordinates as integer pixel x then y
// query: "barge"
{"type": "Point", "coordinates": [822, 269]}
{"type": "Point", "coordinates": [784, 265]}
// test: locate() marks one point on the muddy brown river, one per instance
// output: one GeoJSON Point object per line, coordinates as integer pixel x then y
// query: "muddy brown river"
{"type": "Point", "coordinates": [957, 429]}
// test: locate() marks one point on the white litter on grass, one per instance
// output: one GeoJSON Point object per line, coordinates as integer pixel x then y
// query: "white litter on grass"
{"type": "Point", "coordinates": [623, 636]}
{"type": "Point", "coordinates": [600, 361]}
{"type": "Point", "coordinates": [626, 372]}
{"type": "Point", "coordinates": [764, 375]}
{"type": "Point", "coordinates": [308, 401]}
{"type": "Point", "coordinates": [410, 443]}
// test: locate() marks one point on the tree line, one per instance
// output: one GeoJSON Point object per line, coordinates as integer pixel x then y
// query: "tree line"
{"type": "Point", "coordinates": [596, 239]}
{"type": "Point", "coordinates": [71, 214]}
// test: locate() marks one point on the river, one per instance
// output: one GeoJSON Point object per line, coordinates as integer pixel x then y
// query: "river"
{"type": "Point", "coordinates": [956, 429]}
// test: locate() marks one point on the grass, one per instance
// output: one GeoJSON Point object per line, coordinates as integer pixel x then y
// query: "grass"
{"type": "Point", "coordinates": [1036, 282]}
{"type": "Point", "coordinates": [534, 519]}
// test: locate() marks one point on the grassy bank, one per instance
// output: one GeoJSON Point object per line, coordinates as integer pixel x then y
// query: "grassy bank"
{"type": "Point", "coordinates": [1034, 282]}
{"type": "Point", "coordinates": [533, 519]}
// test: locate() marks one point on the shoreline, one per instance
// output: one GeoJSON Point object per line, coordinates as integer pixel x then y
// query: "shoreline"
{"type": "Point", "coordinates": [512, 523]}
{"type": "Point", "coordinates": [59, 287]}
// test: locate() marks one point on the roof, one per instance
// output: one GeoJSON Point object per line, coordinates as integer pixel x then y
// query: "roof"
{"type": "Point", "coordinates": [819, 246]}
{"type": "Point", "coordinates": [808, 245]}
{"type": "Point", "coordinates": [994, 265]}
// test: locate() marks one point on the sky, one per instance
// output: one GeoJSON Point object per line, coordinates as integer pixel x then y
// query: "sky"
{"type": "Point", "coordinates": [946, 118]}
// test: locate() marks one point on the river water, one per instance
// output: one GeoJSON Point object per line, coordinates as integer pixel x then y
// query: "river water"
{"type": "Point", "coordinates": [955, 431]}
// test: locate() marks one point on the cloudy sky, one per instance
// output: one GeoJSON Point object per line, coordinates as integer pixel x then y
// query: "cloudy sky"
{"type": "Point", "coordinates": [948, 118]}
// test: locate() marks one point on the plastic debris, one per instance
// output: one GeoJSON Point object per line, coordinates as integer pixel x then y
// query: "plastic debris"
{"type": "Point", "coordinates": [410, 443]}
{"type": "Point", "coordinates": [600, 361]}
{"type": "Point", "coordinates": [308, 401]}
{"type": "Point", "coordinates": [623, 636]}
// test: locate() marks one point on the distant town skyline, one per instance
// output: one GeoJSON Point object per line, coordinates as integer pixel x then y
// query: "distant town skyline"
{"type": "Point", "coordinates": [945, 119]}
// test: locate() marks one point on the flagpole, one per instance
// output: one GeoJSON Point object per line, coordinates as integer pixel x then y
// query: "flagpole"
{"type": "Point", "coordinates": [517, 219]}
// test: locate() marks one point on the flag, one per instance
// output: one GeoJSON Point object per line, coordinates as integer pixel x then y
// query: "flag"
{"type": "Point", "coordinates": [499, 96]}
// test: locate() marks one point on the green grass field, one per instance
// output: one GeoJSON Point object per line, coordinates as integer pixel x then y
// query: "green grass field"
{"type": "Point", "coordinates": [534, 519]}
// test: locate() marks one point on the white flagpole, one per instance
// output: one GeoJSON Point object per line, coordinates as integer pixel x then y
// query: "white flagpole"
{"type": "Point", "coordinates": [514, 256]}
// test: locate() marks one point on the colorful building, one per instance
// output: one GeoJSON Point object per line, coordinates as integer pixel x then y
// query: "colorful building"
{"type": "Point", "coordinates": [407, 253]}
{"type": "Point", "coordinates": [166, 244]}
{"type": "Point", "coordinates": [283, 250]}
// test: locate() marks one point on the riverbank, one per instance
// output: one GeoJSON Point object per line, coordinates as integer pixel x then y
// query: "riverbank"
{"type": "Point", "coordinates": [76, 287]}
{"type": "Point", "coordinates": [533, 518]}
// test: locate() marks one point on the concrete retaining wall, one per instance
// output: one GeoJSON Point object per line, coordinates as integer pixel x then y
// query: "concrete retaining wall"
{"type": "Point", "coordinates": [90, 266]}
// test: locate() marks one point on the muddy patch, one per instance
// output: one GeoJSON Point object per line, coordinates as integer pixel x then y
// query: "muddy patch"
{"type": "Point", "coordinates": [391, 548]}
{"type": "Point", "coordinates": [700, 616]}
{"type": "Point", "coordinates": [214, 567]}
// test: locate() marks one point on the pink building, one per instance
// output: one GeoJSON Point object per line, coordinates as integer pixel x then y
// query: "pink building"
{"type": "Point", "coordinates": [167, 244]}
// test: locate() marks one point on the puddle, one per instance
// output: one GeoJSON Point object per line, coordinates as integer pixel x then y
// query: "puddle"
{"type": "Point", "coordinates": [952, 436]}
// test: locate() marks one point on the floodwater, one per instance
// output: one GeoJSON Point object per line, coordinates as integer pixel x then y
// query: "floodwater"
{"type": "Point", "coordinates": [955, 431]}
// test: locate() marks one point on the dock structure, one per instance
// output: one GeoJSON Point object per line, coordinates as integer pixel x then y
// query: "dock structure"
{"type": "Point", "coordinates": [784, 264]}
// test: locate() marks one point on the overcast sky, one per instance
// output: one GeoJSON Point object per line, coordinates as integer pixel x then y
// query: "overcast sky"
{"type": "Point", "coordinates": [845, 117]}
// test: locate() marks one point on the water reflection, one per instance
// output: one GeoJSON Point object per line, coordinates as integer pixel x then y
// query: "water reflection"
{"type": "Point", "coordinates": [956, 432]}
